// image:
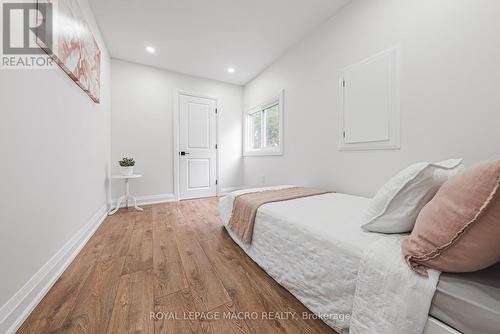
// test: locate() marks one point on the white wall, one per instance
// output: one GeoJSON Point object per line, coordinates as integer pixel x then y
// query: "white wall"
{"type": "Point", "coordinates": [450, 100]}
{"type": "Point", "coordinates": [55, 148]}
{"type": "Point", "coordinates": [142, 125]}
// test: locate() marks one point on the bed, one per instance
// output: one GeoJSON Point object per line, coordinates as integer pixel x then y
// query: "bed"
{"type": "Point", "coordinates": [305, 271]}
{"type": "Point", "coordinates": [314, 247]}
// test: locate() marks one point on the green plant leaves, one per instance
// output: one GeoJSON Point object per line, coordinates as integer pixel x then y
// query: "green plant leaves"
{"type": "Point", "coordinates": [127, 162]}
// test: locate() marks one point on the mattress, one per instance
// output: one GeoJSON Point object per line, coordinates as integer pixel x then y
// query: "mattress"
{"type": "Point", "coordinates": [324, 232]}
{"type": "Point", "coordinates": [328, 247]}
{"type": "Point", "coordinates": [469, 302]}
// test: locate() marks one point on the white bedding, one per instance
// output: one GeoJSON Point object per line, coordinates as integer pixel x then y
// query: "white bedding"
{"type": "Point", "coordinates": [390, 298]}
{"type": "Point", "coordinates": [313, 246]}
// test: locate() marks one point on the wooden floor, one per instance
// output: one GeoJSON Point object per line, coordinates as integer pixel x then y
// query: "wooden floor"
{"type": "Point", "coordinates": [170, 261]}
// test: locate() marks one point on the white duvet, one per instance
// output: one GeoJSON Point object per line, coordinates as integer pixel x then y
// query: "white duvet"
{"type": "Point", "coordinates": [315, 248]}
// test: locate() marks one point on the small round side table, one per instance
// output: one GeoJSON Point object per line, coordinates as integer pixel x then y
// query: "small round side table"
{"type": "Point", "coordinates": [127, 195]}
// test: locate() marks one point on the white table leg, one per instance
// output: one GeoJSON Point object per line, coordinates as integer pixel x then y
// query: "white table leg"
{"type": "Point", "coordinates": [127, 193]}
{"type": "Point", "coordinates": [135, 204]}
{"type": "Point", "coordinates": [118, 204]}
{"type": "Point", "coordinates": [126, 198]}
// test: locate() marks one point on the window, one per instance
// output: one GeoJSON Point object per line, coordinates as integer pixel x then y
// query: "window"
{"type": "Point", "coordinates": [264, 124]}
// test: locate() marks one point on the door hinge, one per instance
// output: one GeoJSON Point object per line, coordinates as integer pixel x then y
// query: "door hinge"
{"type": "Point", "coordinates": [216, 146]}
{"type": "Point", "coordinates": [344, 134]}
{"type": "Point", "coordinates": [216, 182]}
{"type": "Point", "coordinates": [343, 83]}
{"type": "Point", "coordinates": [216, 111]}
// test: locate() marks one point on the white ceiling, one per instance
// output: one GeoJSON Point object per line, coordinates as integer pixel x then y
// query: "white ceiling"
{"type": "Point", "coordinates": [205, 37]}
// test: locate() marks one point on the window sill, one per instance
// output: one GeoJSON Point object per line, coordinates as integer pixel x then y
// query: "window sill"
{"type": "Point", "coordinates": [262, 153]}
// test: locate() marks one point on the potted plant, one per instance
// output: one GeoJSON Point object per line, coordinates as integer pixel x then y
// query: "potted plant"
{"type": "Point", "coordinates": [127, 165]}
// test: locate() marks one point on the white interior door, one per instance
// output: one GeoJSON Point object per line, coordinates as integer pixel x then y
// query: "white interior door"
{"type": "Point", "coordinates": [197, 147]}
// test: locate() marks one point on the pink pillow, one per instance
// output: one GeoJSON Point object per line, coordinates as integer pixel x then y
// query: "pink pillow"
{"type": "Point", "coordinates": [459, 229]}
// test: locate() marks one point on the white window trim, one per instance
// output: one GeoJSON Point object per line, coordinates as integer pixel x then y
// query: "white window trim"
{"type": "Point", "coordinates": [264, 151]}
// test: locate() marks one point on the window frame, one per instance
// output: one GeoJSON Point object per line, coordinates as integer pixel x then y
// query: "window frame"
{"type": "Point", "coordinates": [263, 151]}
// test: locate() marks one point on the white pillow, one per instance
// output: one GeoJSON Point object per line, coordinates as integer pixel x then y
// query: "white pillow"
{"type": "Point", "coordinates": [397, 204]}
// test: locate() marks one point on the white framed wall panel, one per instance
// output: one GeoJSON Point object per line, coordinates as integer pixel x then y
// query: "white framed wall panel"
{"type": "Point", "coordinates": [369, 103]}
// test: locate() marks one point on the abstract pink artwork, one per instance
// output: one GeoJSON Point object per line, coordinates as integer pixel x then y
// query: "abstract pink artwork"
{"type": "Point", "coordinates": [74, 47]}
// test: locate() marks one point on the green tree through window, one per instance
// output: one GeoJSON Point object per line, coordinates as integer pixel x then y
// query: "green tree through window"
{"type": "Point", "coordinates": [263, 127]}
{"type": "Point", "coordinates": [272, 126]}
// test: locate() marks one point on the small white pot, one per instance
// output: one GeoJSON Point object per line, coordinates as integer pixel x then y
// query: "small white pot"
{"type": "Point", "coordinates": [127, 171]}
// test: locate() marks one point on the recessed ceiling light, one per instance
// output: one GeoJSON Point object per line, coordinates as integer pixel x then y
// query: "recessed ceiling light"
{"type": "Point", "coordinates": [150, 49]}
{"type": "Point", "coordinates": [230, 70]}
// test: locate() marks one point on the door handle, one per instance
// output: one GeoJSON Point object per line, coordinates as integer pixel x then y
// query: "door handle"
{"type": "Point", "coordinates": [183, 153]}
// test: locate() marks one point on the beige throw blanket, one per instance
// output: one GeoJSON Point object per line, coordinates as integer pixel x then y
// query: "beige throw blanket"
{"type": "Point", "coordinates": [245, 207]}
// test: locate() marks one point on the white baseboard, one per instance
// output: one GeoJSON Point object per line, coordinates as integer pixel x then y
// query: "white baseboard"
{"type": "Point", "coordinates": [226, 190]}
{"type": "Point", "coordinates": [150, 199]}
{"type": "Point", "coordinates": [18, 307]}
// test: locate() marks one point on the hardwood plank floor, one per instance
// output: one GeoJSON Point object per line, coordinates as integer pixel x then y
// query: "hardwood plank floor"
{"type": "Point", "coordinates": [170, 269]}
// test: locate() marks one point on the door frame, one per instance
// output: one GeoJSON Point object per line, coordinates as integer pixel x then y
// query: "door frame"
{"type": "Point", "coordinates": [175, 125]}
